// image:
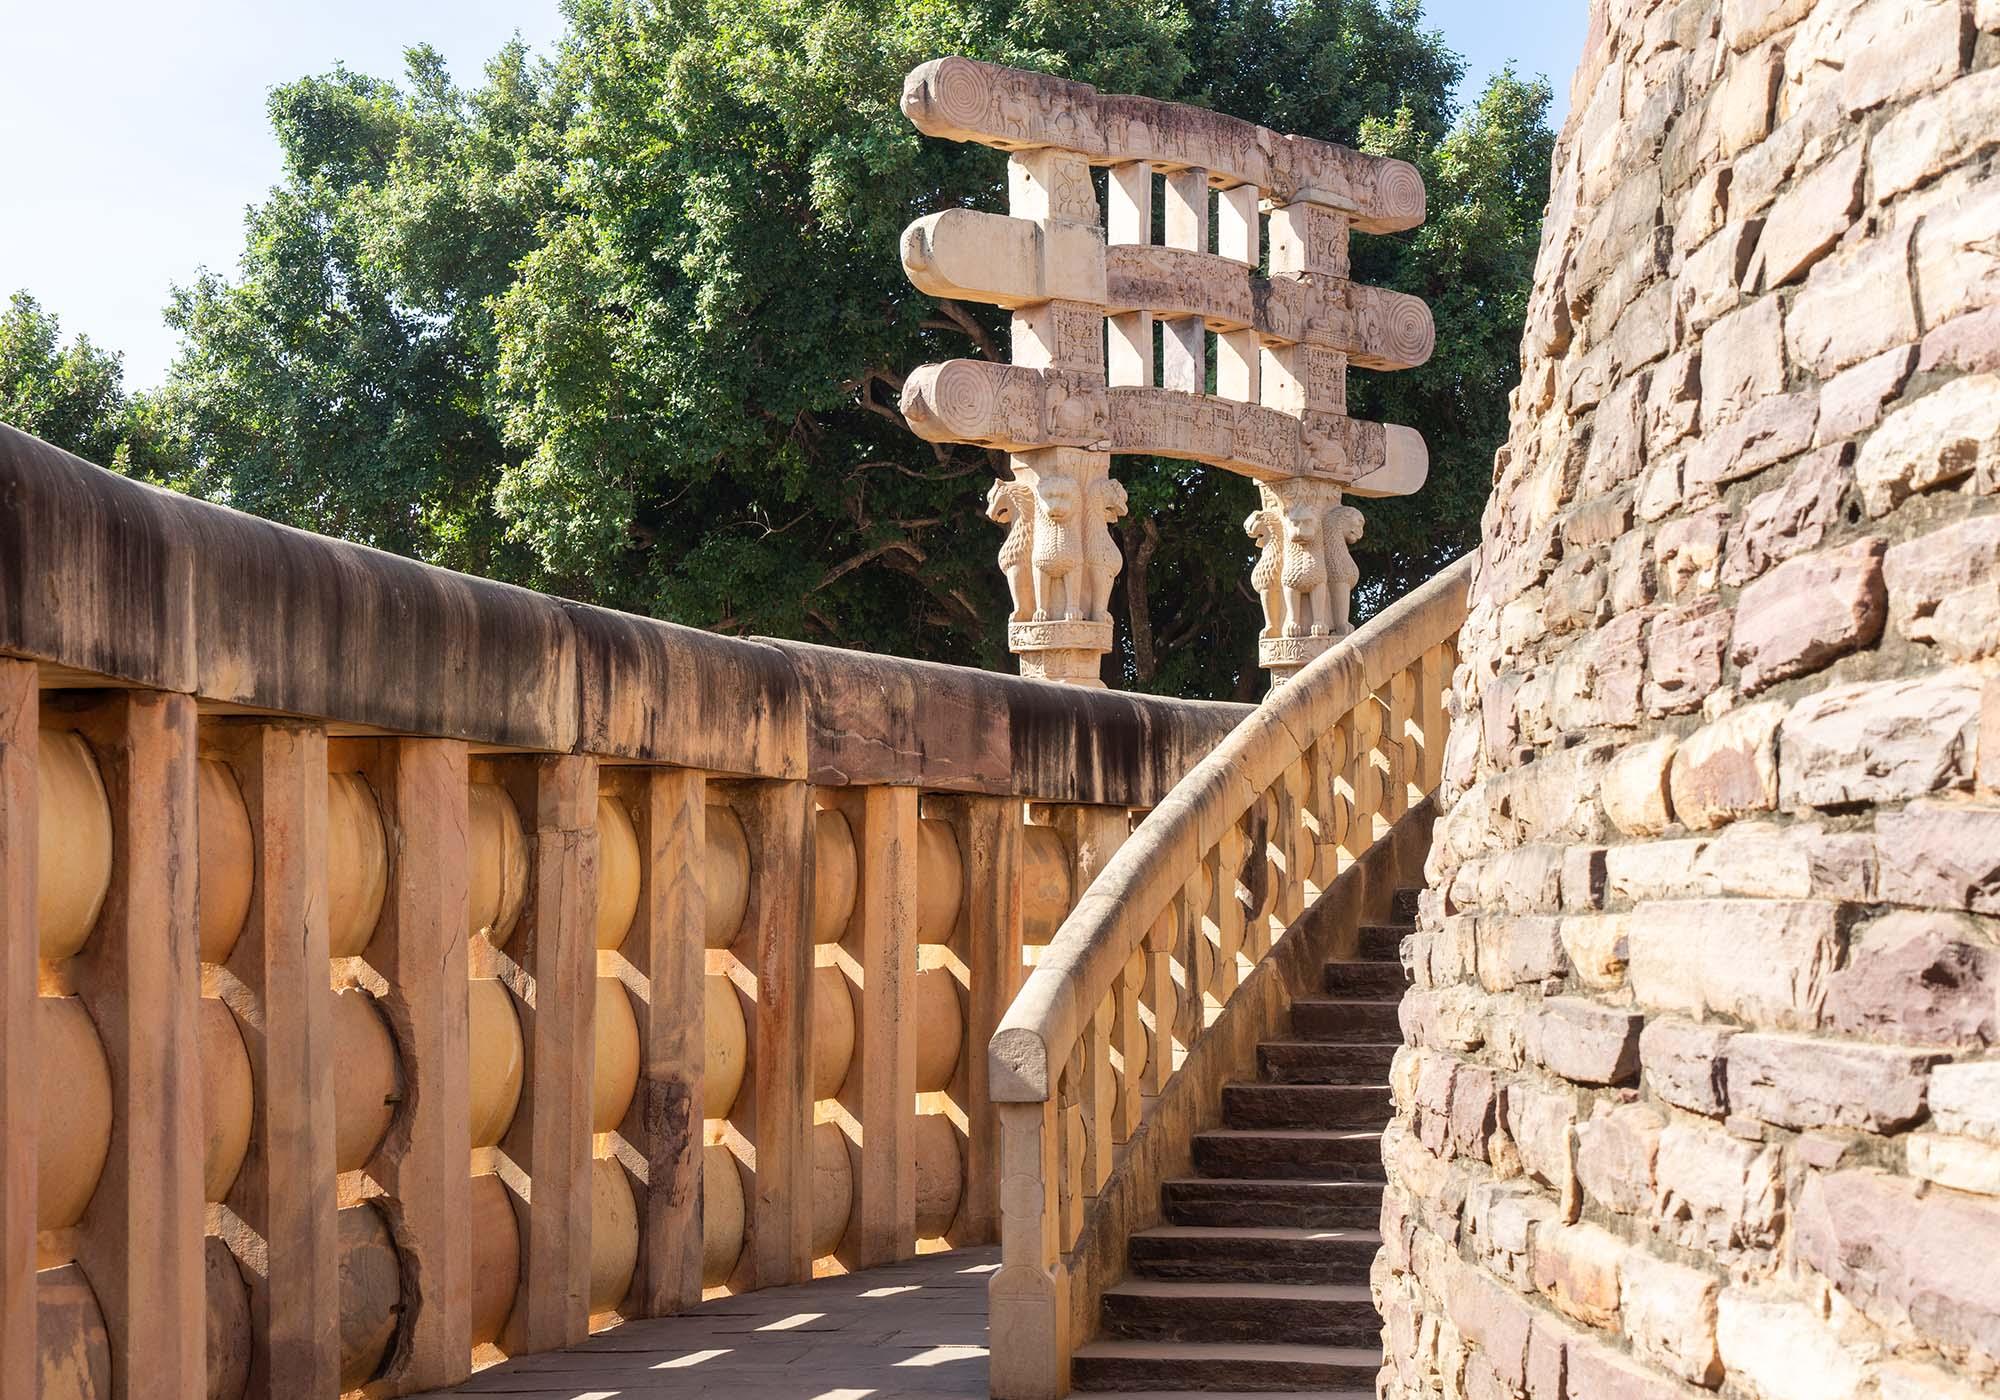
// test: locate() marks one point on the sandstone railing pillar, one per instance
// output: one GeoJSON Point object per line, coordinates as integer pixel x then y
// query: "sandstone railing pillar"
{"type": "Point", "coordinates": [1028, 1300]}
{"type": "Point", "coordinates": [19, 1078]}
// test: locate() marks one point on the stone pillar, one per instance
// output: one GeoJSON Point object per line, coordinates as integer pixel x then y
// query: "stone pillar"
{"type": "Point", "coordinates": [1059, 557]}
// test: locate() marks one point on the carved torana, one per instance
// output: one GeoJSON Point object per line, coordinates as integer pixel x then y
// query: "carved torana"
{"type": "Point", "coordinates": [1092, 294]}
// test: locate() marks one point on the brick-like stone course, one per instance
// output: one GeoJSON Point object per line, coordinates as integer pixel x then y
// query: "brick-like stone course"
{"type": "Point", "coordinates": [1705, 1088]}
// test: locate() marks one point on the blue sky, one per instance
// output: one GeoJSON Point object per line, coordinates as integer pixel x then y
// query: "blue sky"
{"type": "Point", "coordinates": [132, 132]}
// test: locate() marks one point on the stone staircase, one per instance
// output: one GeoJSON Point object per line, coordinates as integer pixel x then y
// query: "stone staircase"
{"type": "Point", "coordinates": [1258, 1279]}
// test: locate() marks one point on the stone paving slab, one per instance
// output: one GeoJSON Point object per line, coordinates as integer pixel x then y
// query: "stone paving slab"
{"type": "Point", "coordinates": [910, 1331]}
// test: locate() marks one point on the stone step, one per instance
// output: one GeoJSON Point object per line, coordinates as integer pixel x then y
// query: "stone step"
{"type": "Point", "coordinates": [1252, 1367]}
{"type": "Point", "coordinates": [1373, 978]}
{"type": "Point", "coordinates": [1251, 1254]}
{"type": "Point", "coordinates": [1323, 1062]}
{"type": "Point", "coordinates": [1291, 1154]}
{"type": "Point", "coordinates": [1345, 1021]}
{"type": "Point", "coordinates": [1306, 1105]}
{"type": "Point", "coordinates": [1157, 1310]}
{"type": "Point", "coordinates": [1303, 1205]}
{"type": "Point", "coordinates": [1405, 902]}
{"type": "Point", "coordinates": [1383, 941]}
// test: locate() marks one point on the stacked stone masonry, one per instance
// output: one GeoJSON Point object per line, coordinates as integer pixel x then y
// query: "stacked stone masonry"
{"type": "Point", "coordinates": [1700, 1090]}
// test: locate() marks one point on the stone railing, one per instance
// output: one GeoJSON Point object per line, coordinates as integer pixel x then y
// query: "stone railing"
{"type": "Point", "coordinates": [399, 969]}
{"type": "Point", "coordinates": [1168, 928]}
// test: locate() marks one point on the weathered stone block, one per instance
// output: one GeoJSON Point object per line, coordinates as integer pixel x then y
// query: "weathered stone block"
{"type": "Point", "coordinates": [1962, 1163]}
{"type": "Point", "coordinates": [1808, 611]}
{"type": "Point", "coordinates": [1474, 1111]}
{"type": "Point", "coordinates": [1776, 428]}
{"type": "Point", "coordinates": [1965, 1099]}
{"type": "Point", "coordinates": [1800, 1082]}
{"type": "Point", "coordinates": [1494, 1319]}
{"type": "Point", "coordinates": [1921, 573]}
{"type": "Point", "coordinates": [1934, 133]}
{"type": "Point", "coordinates": [1808, 219]}
{"type": "Point", "coordinates": [1615, 1155]}
{"type": "Point", "coordinates": [1598, 1371]}
{"type": "Point", "coordinates": [1718, 1192]}
{"type": "Point", "coordinates": [1851, 402]}
{"type": "Point", "coordinates": [1782, 1349]}
{"type": "Point", "coordinates": [1548, 1358]}
{"type": "Point", "coordinates": [1684, 657]}
{"type": "Point", "coordinates": [1673, 402]}
{"type": "Point", "coordinates": [1945, 436]}
{"type": "Point", "coordinates": [1764, 961]}
{"type": "Point", "coordinates": [1633, 579]}
{"type": "Point", "coordinates": [1657, 870]}
{"type": "Point", "coordinates": [1586, 1042]}
{"type": "Point", "coordinates": [1686, 1064]}
{"type": "Point", "coordinates": [1966, 624]}
{"type": "Point", "coordinates": [1968, 343]}
{"type": "Point", "coordinates": [1792, 518]}
{"type": "Point", "coordinates": [1668, 1312]}
{"type": "Point", "coordinates": [1853, 306]}
{"type": "Point", "coordinates": [1958, 264]}
{"type": "Point", "coordinates": [1522, 881]}
{"type": "Point", "coordinates": [1895, 50]}
{"type": "Point", "coordinates": [1919, 978]}
{"type": "Point", "coordinates": [1689, 552]}
{"type": "Point", "coordinates": [1519, 950]}
{"type": "Point", "coordinates": [1596, 945]}
{"type": "Point", "coordinates": [1728, 768]}
{"type": "Point", "coordinates": [1906, 1258]}
{"type": "Point", "coordinates": [1634, 792]}
{"type": "Point", "coordinates": [1800, 861]}
{"type": "Point", "coordinates": [1880, 741]}
{"type": "Point", "coordinates": [1577, 1267]}
{"type": "Point", "coordinates": [1742, 360]}
{"type": "Point", "coordinates": [1539, 1120]}
{"type": "Point", "coordinates": [1600, 680]}
{"type": "Point", "coordinates": [1939, 854]}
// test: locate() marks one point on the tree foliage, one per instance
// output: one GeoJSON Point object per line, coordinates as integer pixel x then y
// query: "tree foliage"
{"type": "Point", "coordinates": [628, 322]}
{"type": "Point", "coordinates": [73, 395]}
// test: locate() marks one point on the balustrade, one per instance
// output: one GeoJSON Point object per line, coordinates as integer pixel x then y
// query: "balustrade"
{"type": "Point", "coordinates": [362, 1021]}
{"type": "Point", "coordinates": [1167, 929]}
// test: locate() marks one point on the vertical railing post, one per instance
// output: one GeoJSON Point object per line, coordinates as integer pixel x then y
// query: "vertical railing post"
{"type": "Point", "coordinates": [140, 1242]}
{"type": "Point", "coordinates": [552, 969]}
{"type": "Point", "coordinates": [20, 738]}
{"type": "Point", "coordinates": [1028, 1300]}
{"type": "Point", "coordinates": [661, 965]}
{"type": "Point", "coordinates": [990, 840]}
{"type": "Point", "coordinates": [415, 966]}
{"type": "Point", "coordinates": [280, 1218]}
{"type": "Point", "coordinates": [775, 955]}
{"type": "Point", "coordinates": [881, 1089]}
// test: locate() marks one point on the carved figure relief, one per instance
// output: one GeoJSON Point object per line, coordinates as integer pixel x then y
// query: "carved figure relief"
{"type": "Point", "coordinates": [1266, 530]}
{"type": "Point", "coordinates": [1306, 603]}
{"type": "Point", "coordinates": [1011, 503]}
{"type": "Point", "coordinates": [1057, 550]}
{"type": "Point", "coordinates": [1108, 503]}
{"type": "Point", "coordinates": [1342, 529]}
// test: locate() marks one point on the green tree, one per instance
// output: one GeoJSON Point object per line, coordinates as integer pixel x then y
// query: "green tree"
{"type": "Point", "coordinates": [630, 324]}
{"type": "Point", "coordinates": [73, 395]}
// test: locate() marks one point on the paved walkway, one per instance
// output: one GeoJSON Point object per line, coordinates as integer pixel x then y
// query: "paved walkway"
{"type": "Point", "coordinates": [912, 1329]}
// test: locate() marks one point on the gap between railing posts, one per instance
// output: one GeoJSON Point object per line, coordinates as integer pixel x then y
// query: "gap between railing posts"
{"type": "Point", "coordinates": [1183, 912]}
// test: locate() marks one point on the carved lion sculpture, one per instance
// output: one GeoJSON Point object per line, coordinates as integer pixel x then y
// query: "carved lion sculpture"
{"type": "Point", "coordinates": [1100, 552]}
{"type": "Point", "coordinates": [1057, 550]}
{"type": "Point", "coordinates": [1266, 530]}
{"type": "Point", "coordinates": [1344, 525]}
{"type": "Point", "coordinates": [1011, 503]}
{"type": "Point", "coordinates": [1304, 577]}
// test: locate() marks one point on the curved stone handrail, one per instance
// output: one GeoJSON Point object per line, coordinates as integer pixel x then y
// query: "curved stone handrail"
{"type": "Point", "coordinates": [1109, 922]}
{"type": "Point", "coordinates": [1183, 914]}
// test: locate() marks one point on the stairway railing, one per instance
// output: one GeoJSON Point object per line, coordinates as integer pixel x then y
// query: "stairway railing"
{"type": "Point", "coordinates": [1154, 949]}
